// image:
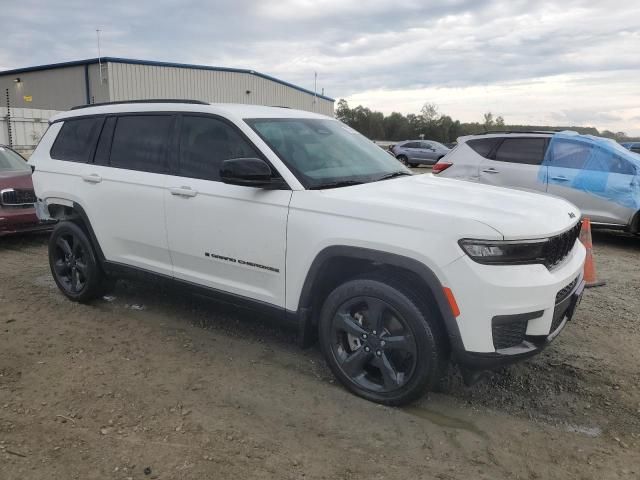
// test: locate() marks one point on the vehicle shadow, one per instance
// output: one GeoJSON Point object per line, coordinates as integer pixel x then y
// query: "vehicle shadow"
{"type": "Point", "coordinates": [616, 238]}
{"type": "Point", "coordinates": [20, 241]}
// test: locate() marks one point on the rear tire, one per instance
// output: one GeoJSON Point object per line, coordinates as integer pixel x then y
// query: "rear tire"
{"type": "Point", "coordinates": [74, 264]}
{"type": "Point", "coordinates": [413, 165]}
{"type": "Point", "coordinates": [382, 341]}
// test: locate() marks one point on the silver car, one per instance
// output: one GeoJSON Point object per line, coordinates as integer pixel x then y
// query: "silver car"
{"type": "Point", "coordinates": [598, 175]}
{"type": "Point", "coordinates": [419, 152]}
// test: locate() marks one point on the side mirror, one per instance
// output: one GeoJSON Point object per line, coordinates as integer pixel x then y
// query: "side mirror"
{"type": "Point", "coordinates": [249, 172]}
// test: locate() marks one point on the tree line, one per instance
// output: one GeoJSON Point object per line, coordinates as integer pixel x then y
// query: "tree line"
{"type": "Point", "coordinates": [432, 125]}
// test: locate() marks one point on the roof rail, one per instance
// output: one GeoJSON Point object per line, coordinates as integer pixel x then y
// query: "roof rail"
{"type": "Point", "coordinates": [158, 100]}
{"type": "Point", "coordinates": [520, 131]}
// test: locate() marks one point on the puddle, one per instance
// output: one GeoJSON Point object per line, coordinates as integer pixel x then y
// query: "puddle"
{"type": "Point", "coordinates": [443, 420]}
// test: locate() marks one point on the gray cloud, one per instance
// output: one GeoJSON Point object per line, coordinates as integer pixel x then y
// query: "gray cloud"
{"type": "Point", "coordinates": [355, 46]}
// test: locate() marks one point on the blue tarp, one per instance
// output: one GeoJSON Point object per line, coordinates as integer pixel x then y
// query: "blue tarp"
{"type": "Point", "coordinates": [595, 165]}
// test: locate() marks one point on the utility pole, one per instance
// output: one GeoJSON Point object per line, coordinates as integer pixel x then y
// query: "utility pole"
{"type": "Point", "coordinates": [9, 131]}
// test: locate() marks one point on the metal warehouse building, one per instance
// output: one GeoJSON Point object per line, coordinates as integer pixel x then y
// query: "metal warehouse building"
{"type": "Point", "coordinates": [61, 86]}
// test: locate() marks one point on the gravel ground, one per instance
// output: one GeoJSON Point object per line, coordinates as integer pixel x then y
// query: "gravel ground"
{"type": "Point", "coordinates": [152, 384]}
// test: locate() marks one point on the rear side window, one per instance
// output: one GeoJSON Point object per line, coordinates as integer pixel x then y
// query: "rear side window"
{"type": "Point", "coordinates": [140, 142]}
{"type": "Point", "coordinates": [205, 142]}
{"type": "Point", "coordinates": [528, 151]}
{"type": "Point", "coordinates": [483, 146]}
{"type": "Point", "coordinates": [76, 139]}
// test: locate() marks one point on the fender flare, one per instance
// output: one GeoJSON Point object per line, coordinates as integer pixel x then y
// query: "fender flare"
{"type": "Point", "coordinates": [376, 257]}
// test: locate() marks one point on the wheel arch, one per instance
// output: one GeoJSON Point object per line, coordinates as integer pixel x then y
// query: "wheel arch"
{"type": "Point", "coordinates": [336, 264]}
{"type": "Point", "coordinates": [66, 210]}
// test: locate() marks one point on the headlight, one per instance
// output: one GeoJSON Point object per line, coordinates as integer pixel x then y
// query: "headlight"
{"type": "Point", "coordinates": [496, 252]}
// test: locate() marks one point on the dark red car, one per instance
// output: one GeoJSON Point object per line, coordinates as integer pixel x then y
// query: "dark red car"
{"type": "Point", "coordinates": [17, 212]}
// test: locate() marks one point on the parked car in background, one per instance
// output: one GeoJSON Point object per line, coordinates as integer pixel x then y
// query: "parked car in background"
{"type": "Point", "coordinates": [17, 212]}
{"type": "Point", "coordinates": [596, 174]}
{"type": "Point", "coordinates": [419, 152]}
{"type": "Point", "coordinates": [633, 146]}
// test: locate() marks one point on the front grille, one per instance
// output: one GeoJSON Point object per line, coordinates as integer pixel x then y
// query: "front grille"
{"type": "Point", "coordinates": [558, 247]}
{"type": "Point", "coordinates": [12, 196]}
{"type": "Point", "coordinates": [564, 293]}
{"type": "Point", "coordinates": [510, 334]}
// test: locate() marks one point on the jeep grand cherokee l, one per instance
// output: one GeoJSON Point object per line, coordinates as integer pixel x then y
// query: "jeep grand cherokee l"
{"type": "Point", "coordinates": [298, 215]}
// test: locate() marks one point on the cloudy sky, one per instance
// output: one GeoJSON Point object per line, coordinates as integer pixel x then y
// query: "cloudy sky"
{"type": "Point", "coordinates": [562, 63]}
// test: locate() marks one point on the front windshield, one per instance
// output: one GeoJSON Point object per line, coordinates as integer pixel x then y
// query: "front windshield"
{"type": "Point", "coordinates": [325, 153]}
{"type": "Point", "coordinates": [11, 161]}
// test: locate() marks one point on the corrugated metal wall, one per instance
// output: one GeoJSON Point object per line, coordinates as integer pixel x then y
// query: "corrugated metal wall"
{"type": "Point", "coordinates": [58, 89]}
{"type": "Point", "coordinates": [131, 81]}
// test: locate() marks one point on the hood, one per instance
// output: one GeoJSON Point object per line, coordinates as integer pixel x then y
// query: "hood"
{"type": "Point", "coordinates": [513, 213]}
{"type": "Point", "coordinates": [14, 179]}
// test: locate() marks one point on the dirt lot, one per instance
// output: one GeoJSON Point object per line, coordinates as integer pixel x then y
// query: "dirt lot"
{"type": "Point", "coordinates": [191, 389]}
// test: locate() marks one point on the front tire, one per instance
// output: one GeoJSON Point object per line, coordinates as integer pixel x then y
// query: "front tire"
{"type": "Point", "coordinates": [403, 159]}
{"type": "Point", "coordinates": [382, 341]}
{"type": "Point", "coordinates": [73, 263]}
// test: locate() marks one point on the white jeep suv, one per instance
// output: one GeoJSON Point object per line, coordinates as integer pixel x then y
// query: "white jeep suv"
{"type": "Point", "coordinates": [300, 216]}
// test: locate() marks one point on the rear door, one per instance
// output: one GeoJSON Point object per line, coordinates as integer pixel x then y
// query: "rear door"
{"type": "Point", "coordinates": [429, 151]}
{"type": "Point", "coordinates": [122, 190]}
{"type": "Point", "coordinates": [229, 238]}
{"type": "Point", "coordinates": [516, 162]}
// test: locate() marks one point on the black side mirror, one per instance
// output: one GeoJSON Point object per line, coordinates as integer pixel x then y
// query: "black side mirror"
{"type": "Point", "coordinates": [250, 172]}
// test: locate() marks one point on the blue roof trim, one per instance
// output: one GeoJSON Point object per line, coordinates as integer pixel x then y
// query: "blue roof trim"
{"type": "Point", "coordinates": [154, 63]}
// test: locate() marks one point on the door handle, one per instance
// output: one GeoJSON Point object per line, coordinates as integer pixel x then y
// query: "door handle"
{"type": "Point", "coordinates": [92, 178]}
{"type": "Point", "coordinates": [490, 170]}
{"type": "Point", "coordinates": [183, 192]}
{"type": "Point", "coordinates": [560, 179]}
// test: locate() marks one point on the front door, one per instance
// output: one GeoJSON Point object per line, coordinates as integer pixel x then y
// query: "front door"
{"type": "Point", "coordinates": [226, 237]}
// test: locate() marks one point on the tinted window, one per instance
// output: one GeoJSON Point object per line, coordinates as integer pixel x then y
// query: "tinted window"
{"type": "Point", "coordinates": [140, 142]}
{"type": "Point", "coordinates": [76, 139]}
{"type": "Point", "coordinates": [529, 151]}
{"type": "Point", "coordinates": [205, 143]}
{"type": "Point", "coordinates": [483, 146]}
{"type": "Point", "coordinates": [426, 145]}
{"type": "Point", "coordinates": [411, 145]}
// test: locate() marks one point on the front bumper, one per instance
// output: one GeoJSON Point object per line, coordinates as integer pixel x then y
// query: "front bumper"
{"type": "Point", "coordinates": [531, 344]}
{"type": "Point", "coordinates": [21, 220]}
{"type": "Point", "coordinates": [511, 312]}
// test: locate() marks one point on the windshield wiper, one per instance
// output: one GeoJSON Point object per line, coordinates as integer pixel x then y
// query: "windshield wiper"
{"type": "Point", "coordinates": [341, 183]}
{"type": "Point", "coordinates": [393, 175]}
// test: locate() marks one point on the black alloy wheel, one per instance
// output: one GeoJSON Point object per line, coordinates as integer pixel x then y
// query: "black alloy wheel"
{"type": "Point", "coordinates": [73, 263]}
{"type": "Point", "coordinates": [70, 263]}
{"type": "Point", "coordinates": [373, 344]}
{"type": "Point", "coordinates": [403, 159]}
{"type": "Point", "coordinates": [382, 339]}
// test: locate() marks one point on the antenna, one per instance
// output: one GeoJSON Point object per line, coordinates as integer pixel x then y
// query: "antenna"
{"type": "Point", "coordinates": [315, 90]}
{"type": "Point", "coordinates": [99, 56]}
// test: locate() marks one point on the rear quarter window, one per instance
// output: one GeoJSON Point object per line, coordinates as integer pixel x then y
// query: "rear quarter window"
{"type": "Point", "coordinates": [77, 139]}
{"type": "Point", "coordinates": [483, 146]}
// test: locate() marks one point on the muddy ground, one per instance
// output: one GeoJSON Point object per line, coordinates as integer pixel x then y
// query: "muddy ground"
{"type": "Point", "coordinates": [153, 384]}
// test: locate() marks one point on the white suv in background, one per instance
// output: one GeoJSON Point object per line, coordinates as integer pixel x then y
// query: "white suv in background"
{"type": "Point", "coordinates": [598, 175]}
{"type": "Point", "coordinates": [301, 217]}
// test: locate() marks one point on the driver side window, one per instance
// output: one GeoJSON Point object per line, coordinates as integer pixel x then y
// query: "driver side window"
{"type": "Point", "coordinates": [205, 142]}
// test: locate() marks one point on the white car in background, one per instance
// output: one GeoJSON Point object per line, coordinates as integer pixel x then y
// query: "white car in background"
{"type": "Point", "coordinates": [599, 176]}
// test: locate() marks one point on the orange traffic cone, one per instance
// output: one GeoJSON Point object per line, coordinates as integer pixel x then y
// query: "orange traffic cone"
{"type": "Point", "coordinates": [589, 265]}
